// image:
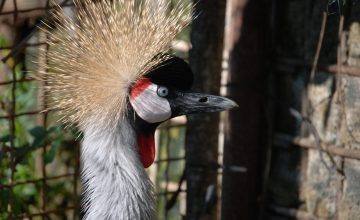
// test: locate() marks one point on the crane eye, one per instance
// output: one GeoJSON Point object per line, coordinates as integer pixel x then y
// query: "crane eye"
{"type": "Point", "coordinates": [162, 91]}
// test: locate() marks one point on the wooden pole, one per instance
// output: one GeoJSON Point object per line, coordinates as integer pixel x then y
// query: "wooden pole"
{"type": "Point", "coordinates": [245, 126]}
{"type": "Point", "coordinates": [207, 38]}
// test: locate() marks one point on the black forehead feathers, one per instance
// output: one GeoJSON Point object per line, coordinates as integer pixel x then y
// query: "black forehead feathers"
{"type": "Point", "coordinates": [173, 72]}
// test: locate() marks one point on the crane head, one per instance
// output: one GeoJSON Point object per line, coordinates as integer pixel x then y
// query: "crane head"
{"type": "Point", "coordinates": [105, 61]}
{"type": "Point", "coordinates": [165, 93]}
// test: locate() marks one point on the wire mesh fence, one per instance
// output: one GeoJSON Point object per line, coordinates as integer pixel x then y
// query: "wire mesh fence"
{"type": "Point", "coordinates": [39, 162]}
{"type": "Point", "coordinates": [318, 145]}
{"type": "Point", "coordinates": [39, 159]}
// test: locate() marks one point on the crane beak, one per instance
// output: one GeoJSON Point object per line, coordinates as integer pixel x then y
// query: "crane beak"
{"type": "Point", "coordinates": [189, 103]}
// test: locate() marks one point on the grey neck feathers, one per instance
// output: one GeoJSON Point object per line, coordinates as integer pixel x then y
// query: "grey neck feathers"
{"type": "Point", "coordinates": [115, 184]}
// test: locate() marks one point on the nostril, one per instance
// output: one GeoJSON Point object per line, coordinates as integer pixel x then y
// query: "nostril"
{"type": "Point", "coordinates": [203, 99]}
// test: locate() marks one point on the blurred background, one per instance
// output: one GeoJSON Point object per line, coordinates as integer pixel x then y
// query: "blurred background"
{"type": "Point", "coordinates": [290, 151]}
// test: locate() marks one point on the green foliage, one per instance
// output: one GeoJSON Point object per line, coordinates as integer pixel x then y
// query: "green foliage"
{"type": "Point", "coordinates": [23, 153]}
{"type": "Point", "coordinates": [171, 146]}
{"type": "Point", "coordinates": [55, 145]}
{"type": "Point", "coordinates": [5, 138]}
{"type": "Point", "coordinates": [5, 196]}
{"type": "Point", "coordinates": [27, 196]}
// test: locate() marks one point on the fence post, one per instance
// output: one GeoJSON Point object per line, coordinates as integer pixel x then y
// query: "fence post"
{"type": "Point", "coordinates": [202, 130]}
{"type": "Point", "coordinates": [245, 126]}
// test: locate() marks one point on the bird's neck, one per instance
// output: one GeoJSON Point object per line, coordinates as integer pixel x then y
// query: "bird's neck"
{"type": "Point", "coordinates": [115, 183]}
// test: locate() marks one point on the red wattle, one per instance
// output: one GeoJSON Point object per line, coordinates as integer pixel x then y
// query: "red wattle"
{"type": "Point", "coordinates": [146, 149]}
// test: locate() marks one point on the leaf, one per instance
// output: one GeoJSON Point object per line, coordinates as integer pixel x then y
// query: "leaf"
{"type": "Point", "coordinates": [21, 151]}
{"type": "Point", "coordinates": [5, 138]}
{"type": "Point", "coordinates": [54, 129]}
{"type": "Point", "coordinates": [55, 145]}
{"type": "Point", "coordinates": [2, 154]}
{"type": "Point", "coordinates": [5, 196]}
{"type": "Point", "coordinates": [39, 133]}
{"type": "Point", "coordinates": [18, 204]}
{"type": "Point", "coordinates": [50, 155]}
{"type": "Point", "coordinates": [3, 41]}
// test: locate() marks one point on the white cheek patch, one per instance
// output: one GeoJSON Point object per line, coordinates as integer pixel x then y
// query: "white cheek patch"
{"type": "Point", "coordinates": [150, 107]}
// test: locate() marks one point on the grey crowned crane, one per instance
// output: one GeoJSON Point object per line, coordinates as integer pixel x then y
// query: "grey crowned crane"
{"type": "Point", "coordinates": [109, 74]}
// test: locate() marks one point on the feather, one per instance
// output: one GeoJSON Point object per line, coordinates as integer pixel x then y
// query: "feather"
{"type": "Point", "coordinates": [94, 58]}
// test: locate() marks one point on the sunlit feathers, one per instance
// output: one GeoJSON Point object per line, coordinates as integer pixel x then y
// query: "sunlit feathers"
{"type": "Point", "coordinates": [95, 57]}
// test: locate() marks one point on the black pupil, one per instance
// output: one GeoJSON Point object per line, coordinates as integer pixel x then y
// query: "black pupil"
{"type": "Point", "coordinates": [163, 91]}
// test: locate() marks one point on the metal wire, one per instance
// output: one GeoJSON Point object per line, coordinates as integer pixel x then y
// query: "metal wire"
{"type": "Point", "coordinates": [45, 182]}
{"type": "Point", "coordinates": [45, 208]}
